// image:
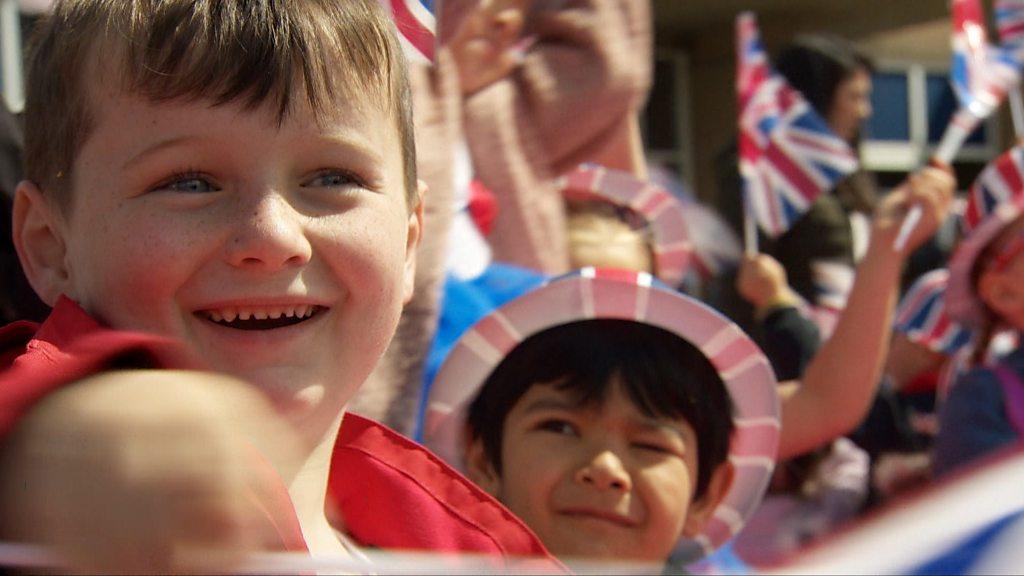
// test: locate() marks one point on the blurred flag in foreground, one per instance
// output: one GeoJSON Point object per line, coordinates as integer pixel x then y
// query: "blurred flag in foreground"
{"type": "Point", "coordinates": [416, 27]}
{"type": "Point", "coordinates": [982, 74]}
{"type": "Point", "coordinates": [972, 523]}
{"type": "Point", "coordinates": [788, 155]}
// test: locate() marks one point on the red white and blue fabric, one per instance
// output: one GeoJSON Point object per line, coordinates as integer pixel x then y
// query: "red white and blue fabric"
{"type": "Point", "coordinates": [982, 74]}
{"type": "Point", "coordinates": [593, 293]}
{"type": "Point", "coordinates": [788, 154]}
{"type": "Point", "coordinates": [663, 213]}
{"type": "Point", "coordinates": [922, 318]}
{"type": "Point", "coordinates": [832, 282]}
{"type": "Point", "coordinates": [999, 182]}
{"type": "Point", "coordinates": [972, 523]}
{"type": "Point", "coordinates": [417, 27]}
{"type": "Point", "coordinates": [1010, 24]}
{"type": "Point", "coordinates": [995, 199]}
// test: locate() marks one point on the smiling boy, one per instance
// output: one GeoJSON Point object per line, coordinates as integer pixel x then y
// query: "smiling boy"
{"type": "Point", "coordinates": [620, 420]}
{"type": "Point", "coordinates": [238, 181]}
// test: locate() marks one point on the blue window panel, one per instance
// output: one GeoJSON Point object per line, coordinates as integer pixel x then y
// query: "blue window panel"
{"type": "Point", "coordinates": [890, 120]}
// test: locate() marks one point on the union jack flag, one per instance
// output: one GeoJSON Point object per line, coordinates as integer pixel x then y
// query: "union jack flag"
{"type": "Point", "coordinates": [832, 282]}
{"type": "Point", "coordinates": [1010, 24]}
{"type": "Point", "coordinates": [788, 155]}
{"type": "Point", "coordinates": [417, 27]}
{"type": "Point", "coordinates": [1000, 182]}
{"type": "Point", "coordinates": [982, 74]}
{"type": "Point", "coordinates": [922, 317]}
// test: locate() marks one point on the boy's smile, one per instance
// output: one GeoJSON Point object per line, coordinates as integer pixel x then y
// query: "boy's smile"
{"type": "Point", "coordinates": [596, 481]}
{"type": "Point", "coordinates": [281, 252]}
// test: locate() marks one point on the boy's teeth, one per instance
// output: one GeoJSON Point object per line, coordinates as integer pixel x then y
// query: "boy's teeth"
{"type": "Point", "coordinates": [272, 313]}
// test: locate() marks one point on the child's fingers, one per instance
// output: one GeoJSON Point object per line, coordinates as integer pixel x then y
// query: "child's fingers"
{"type": "Point", "coordinates": [930, 190]}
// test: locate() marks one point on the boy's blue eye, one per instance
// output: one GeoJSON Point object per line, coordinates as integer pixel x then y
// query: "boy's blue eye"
{"type": "Point", "coordinates": [188, 184]}
{"type": "Point", "coordinates": [332, 179]}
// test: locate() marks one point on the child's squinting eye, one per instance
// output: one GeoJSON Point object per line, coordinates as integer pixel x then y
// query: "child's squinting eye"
{"type": "Point", "coordinates": [655, 446]}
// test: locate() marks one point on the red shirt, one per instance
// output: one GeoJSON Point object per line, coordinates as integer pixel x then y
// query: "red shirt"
{"type": "Point", "coordinates": [389, 491]}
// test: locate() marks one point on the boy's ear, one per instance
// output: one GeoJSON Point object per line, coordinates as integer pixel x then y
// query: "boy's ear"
{"type": "Point", "coordinates": [479, 468]}
{"type": "Point", "coordinates": [701, 510]}
{"type": "Point", "coordinates": [39, 240]}
{"type": "Point", "coordinates": [412, 242]}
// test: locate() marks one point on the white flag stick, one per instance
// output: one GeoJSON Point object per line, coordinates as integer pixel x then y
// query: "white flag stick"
{"type": "Point", "coordinates": [750, 244]}
{"type": "Point", "coordinates": [1017, 111]}
{"type": "Point", "coordinates": [961, 126]}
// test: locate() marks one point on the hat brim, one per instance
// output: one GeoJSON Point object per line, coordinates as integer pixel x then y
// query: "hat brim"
{"type": "Point", "coordinates": [663, 212]}
{"type": "Point", "coordinates": [592, 293]}
{"type": "Point", "coordinates": [962, 301]}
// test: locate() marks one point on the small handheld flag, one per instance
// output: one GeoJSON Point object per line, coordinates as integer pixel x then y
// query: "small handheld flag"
{"type": "Point", "coordinates": [982, 75]}
{"type": "Point", "coordinates": [922, 316]}
{"type": "Point", "coordinates": [788, 154]}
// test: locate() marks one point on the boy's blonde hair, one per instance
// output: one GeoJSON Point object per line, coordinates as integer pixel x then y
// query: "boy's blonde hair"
{"type": "Point", "coordinates": [606, 236]}
{"type": "Point", "coordinates": [255, 51]}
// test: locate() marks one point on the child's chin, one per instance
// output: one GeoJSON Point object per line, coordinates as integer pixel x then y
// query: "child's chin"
{"type": "Point", "coordinates": [295, 404]}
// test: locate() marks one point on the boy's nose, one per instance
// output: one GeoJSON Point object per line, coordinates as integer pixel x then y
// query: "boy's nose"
{"type": "Point", "coordinates": [605, 471]}
{"type": "Point", "coordinates": [269, 235]}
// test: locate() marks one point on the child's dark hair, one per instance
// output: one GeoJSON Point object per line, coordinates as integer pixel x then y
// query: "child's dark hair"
{"type": "Point", "coordinates": [664, 375]}
{"type": "Point", "coordinates": [817, 64]}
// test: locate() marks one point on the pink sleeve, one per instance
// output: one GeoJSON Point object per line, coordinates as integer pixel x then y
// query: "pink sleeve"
{"type": "Point", "coordinates": [573, 100]}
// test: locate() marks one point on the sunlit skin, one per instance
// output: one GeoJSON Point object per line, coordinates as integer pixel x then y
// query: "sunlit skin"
{"type": "Point", "coordinates": [851, 105]}
{"type": "Point", "coordinates": [186, 213]}
{"type": "Point", "coordinates": [1001, 286]}
{"type": "Point", "coordinates": [597, 482]}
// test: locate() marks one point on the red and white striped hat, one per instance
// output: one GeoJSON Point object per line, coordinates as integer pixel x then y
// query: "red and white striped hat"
{"type": "Point", "coordinates": [662, 211]}
{"type": "Point", "coordinates": [592, 293]}
{"type": "Point", "coordinates": [995, 200]}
